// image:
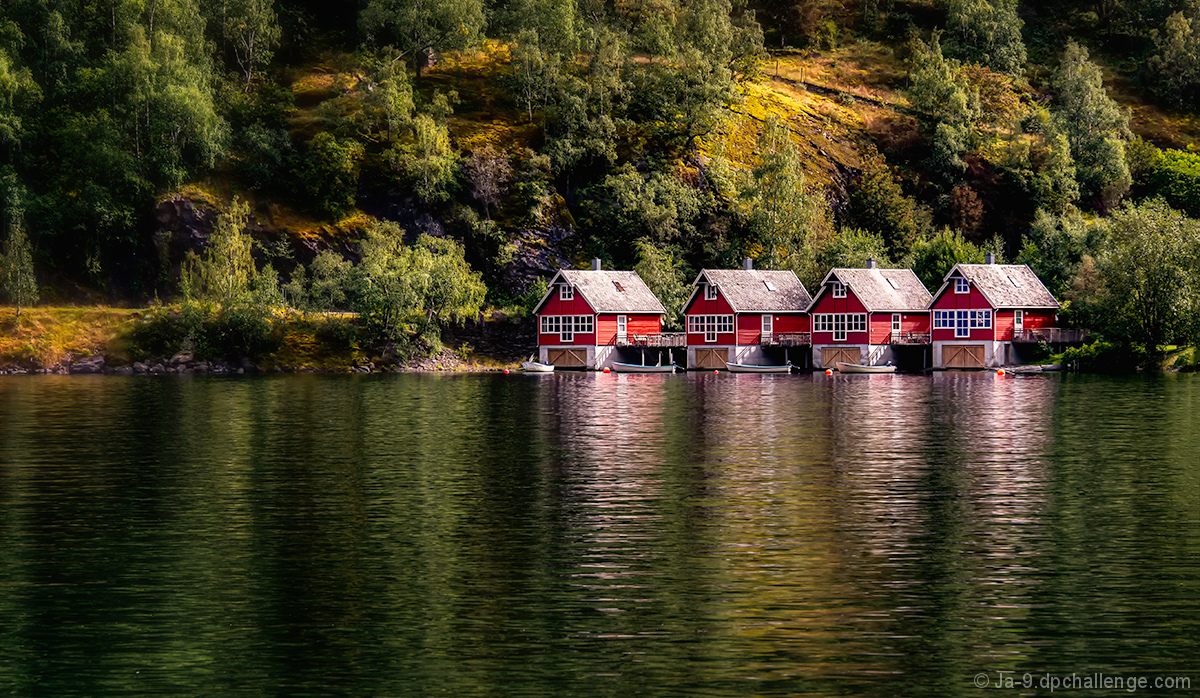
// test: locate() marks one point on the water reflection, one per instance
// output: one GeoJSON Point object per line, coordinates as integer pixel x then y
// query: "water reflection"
{"type": "Point", "coordinates": [593, 534]}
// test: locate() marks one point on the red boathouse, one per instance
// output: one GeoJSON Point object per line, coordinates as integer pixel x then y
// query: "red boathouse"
{"type": "Point", "coordinates": [588, 314]}
{"type": "Point", "coordinates": [981, 309]}
{"type": "Point", "coordinates": [860, 315]}
{"type": "Point", "coordinates": [738, 315]}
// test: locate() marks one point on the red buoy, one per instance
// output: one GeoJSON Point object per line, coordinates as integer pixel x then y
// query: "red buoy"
{"type": "Point", "coordinates": [607, 369]}
{"type": "Point", "coordinates": [829, 371]}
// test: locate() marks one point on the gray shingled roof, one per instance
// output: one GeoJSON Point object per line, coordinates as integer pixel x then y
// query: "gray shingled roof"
{"type": "Point", "coordinates": [599, 289]}
{"type": "Point", "coordinates": [872, 287]}
{"type": "Point", "coordinates": [747, 290]}
{"type": "Point", "coordinates": [1007, 285]}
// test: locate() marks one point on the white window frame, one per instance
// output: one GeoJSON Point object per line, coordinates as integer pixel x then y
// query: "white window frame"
{"type": "Point", "coordinates": [567, 326]}
{"type": "Point", "coordinates": [961, 326]}
{"type": "Point", "coordinates": [566, 292]}
{"type": "Point", "coordinates": [961, 285]}
{"type": "Point", "coordinates": [839, 327]}
{"type": "Point", "coordinates": [897, 322]}
{"type": "Point", "coordinates": [768, 326]}
{"type": "Point", "coordinates": [838, 289]}
{"type": "Point", "coordinates": [622, 326]}
{"type": "Point", "coordinates": [710, 291]}
{"type": "Point", "coordinates": [710, 326]}
{"type": "Point", "coordinates": [1018, 320]}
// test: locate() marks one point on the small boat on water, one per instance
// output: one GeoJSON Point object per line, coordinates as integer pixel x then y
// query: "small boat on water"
{"type": "Point", "coordinates": [639, 368]}
{"type": "Point", "coordinates": [532, 366]}
{"type": "Point", "coordinates": [756, 368]}
{"type": "Point", "coordinates": [860, 368]}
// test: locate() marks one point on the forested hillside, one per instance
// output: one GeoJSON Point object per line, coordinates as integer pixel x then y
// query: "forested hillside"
{"type": "Point", "coordinates": [669, 135]}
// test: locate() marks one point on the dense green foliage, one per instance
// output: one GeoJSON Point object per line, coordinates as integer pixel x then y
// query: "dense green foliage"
{"type": "Point", "coordinates": [620, 129]}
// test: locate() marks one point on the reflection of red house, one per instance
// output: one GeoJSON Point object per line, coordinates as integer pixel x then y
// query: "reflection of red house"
{"type": "Point", "coordinates": [734, 313]}
{"type": "Point", "coordinates": [587, 314]}
{"type": "Point", "coordinates": [981, 308]}
{"type": "Point", "coordinates": [860, 314]}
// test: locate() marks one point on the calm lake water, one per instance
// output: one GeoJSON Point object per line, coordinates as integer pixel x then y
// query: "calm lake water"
{"type": "Point", "coordinates": [592, 535]}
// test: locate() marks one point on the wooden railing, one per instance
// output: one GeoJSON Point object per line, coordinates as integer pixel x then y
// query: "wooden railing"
{"type": "Point", "coordinates": [786, 339]}
{"type": "Point", "coordinates": [910, 338]}
{"type": "Point", "coordinates": [663, 340]}
{"type": "Point", "coordinates": [1050, 335]}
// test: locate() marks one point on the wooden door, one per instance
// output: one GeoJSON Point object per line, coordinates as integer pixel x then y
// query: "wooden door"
{"type": "Point", "coordinates": [567, 358]}
{"type": "Point", "coordinates": [830, 356]}
{"type": "Point", "coordinates": [970, 356]}
{"type": "Point", "coordinates": [711, 358]}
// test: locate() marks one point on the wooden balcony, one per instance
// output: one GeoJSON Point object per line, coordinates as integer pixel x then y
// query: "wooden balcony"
{"type": "Point", "coordinates": [1050, 335]}
{"type": "Point", "coordinates": [663, 340]}
{"type": "Point", "coordinates": [786, 339]}
{"type": "Point", "coordinates": [910, 338]}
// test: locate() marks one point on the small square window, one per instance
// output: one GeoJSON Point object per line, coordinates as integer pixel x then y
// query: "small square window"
{"type": "Point", "coordinates": [961, 285]}
{"type": "Point", "coordinates": [710, 292]}
{"type": "Point", "coordinates": [839, 290]}
{"type": "Point", "coordinates": [566, 292]}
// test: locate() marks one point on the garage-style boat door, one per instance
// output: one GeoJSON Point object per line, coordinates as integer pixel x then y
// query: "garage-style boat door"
{"type": "Point", "coordinates": [567, 358]}
{"type": "Point", "coordinates": [830, 356]}
{"type": "Point", "coordinates": [969, 356]}
{"type": "Point", "coordinates": [711, 358]}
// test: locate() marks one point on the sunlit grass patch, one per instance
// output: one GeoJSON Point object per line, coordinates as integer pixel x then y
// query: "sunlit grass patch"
{"type": "Point", "coordinates": [44, 336]}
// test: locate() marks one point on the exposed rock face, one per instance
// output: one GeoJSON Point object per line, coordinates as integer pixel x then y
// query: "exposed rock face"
{"type": "Point", "coordinates": [539, 254]}
{"type": "Point", "coordinates": [495, 336]}
{"type": "Point", "coordinates": [185, 225]}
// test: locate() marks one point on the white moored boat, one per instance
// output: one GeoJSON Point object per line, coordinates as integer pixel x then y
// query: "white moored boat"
{"type": "Point", "coordinates": [536, 366]}
{"type": "Point", "coordinates": [639, 368]}
{"type": "Point", "coordinates": [860, 368]}
{"type": "Point", "coordinates": [755, 368]}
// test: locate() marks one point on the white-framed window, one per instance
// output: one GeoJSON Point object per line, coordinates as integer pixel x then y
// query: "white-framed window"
{"type": "Point", "coordinates": [961, 285]}
{"type": "Point", "coordinates": [962, 321]}
{"type": "Point", "coordinates": [896, 318]}
{"type": "Point", "coordinates": [567, 326]}
{"type": "Point", "coordinates": [767, 326]}
{"type": "Point", "coordinates": [622, 326]}
{"type": "Point", "coordinates": [839, 289]}
{"type": "Point", "coordinates": [1018, 320]}
{"type": "Point", "coordinates": [710, 325]}
{"type": "Point", "coordinates": [566, 292]}
{"type": "Point", "coordinates": [710, 292]}
{"type": "Point", "coordinates": [839, 324]}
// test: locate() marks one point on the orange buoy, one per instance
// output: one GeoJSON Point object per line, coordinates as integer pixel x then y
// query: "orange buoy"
{"type": "Point", "coordinates": [829, 371]}
{"type": "Point", "coordinates": [607, 369]}
{"type": "Point", "coordinates": [714, 370]}
{"type": "Point", "coordinates": [999, 372]}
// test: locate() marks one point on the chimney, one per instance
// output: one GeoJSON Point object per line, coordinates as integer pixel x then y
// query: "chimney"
{"type": "Point", "coordinates": [595, 264]}
{"type": "Point", "coordinates": [748, 264]}
{"type": "Point", "coordinates": [870, 263]}
{"type": "Point", "coordinates": [990, 258]}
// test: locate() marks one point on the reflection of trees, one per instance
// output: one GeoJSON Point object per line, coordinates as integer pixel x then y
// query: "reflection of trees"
{"type": "Point", "coordinates": [585, 534]}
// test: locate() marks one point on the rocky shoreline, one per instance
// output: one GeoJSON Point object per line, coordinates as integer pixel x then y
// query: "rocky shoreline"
{"type": "Point", "coordinates": [185, 364]}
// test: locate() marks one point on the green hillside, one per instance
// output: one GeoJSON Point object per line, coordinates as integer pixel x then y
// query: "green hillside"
{"type": "Point", "coordinates": [670, 135]}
